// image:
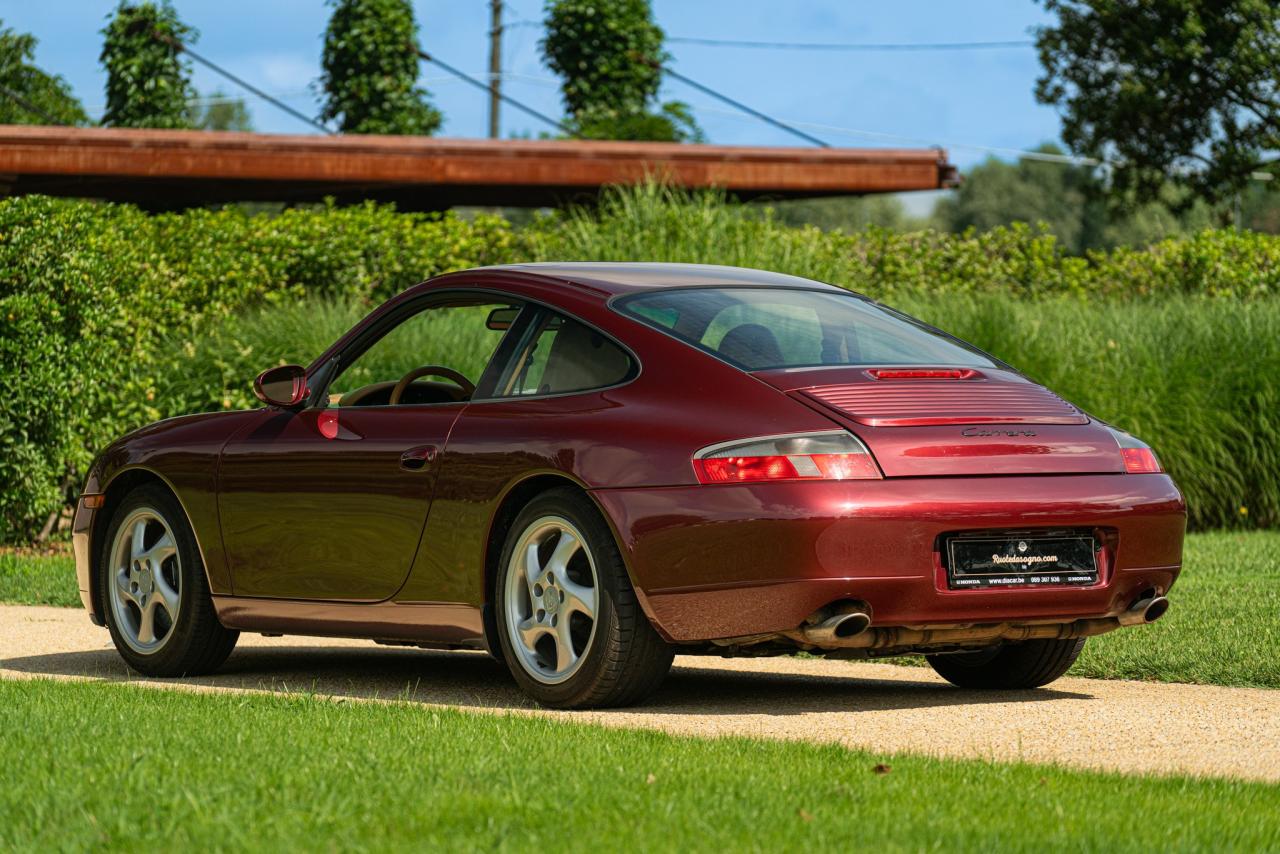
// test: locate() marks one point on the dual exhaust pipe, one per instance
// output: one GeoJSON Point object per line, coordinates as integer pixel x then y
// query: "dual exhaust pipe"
{"type": "Point", "coordinates": [1144, 611]}
{"type": "Point", "coordinates": [850, 620]}
{"type": "Point", "coordinates": [850, 627]}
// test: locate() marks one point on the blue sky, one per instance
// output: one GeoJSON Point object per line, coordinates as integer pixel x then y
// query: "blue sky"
{"type": "Point", "coordinates": [954, 99]}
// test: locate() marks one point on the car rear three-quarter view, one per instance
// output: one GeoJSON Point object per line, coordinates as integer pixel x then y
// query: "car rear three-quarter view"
{"type": "Point", "coordinates": [589, 468]}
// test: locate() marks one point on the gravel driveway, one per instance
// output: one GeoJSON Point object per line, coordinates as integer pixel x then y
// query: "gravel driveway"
{"type": "Point", "coordinates": [1130, 727]}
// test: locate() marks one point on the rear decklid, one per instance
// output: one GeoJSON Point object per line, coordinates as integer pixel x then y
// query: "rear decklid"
{"type": "Point", "coordinates": [937, 422]}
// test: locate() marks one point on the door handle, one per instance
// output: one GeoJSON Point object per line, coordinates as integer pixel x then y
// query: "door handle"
{"type": "Point", "coordinates": [417, 459]}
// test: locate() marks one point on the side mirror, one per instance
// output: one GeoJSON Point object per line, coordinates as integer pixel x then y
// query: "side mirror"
{"type": "Point", "coordinates": [283, 386]}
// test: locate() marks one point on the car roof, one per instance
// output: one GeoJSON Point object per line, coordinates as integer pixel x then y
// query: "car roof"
{"type": "Point", "coordinates": [620, 277]}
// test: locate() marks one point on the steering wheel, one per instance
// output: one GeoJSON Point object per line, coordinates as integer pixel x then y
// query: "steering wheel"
{"type": "Point", "coordinates": [467, 386]}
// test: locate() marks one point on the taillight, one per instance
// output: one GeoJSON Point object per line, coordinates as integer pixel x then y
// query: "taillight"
{"type": "Point", "coordinates": [922, 373]}
{"type": "Point", "coordinates": [1138, 456]}
{"type": "Point", "coordinates": [806, 456]}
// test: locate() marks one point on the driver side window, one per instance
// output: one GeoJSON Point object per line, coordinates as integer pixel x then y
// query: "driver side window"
{"type": "Point", "coordinates": [446, 345]}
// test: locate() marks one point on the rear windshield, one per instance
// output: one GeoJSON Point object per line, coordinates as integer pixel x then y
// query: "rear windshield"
{"type": "Point", "coordinates": [761, 328]}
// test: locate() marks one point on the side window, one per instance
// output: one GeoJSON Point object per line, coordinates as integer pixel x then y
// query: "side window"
{"type": "Point", "coordinates": [436, 355]}
{"type": "Point", "coordinates": [563, 355]}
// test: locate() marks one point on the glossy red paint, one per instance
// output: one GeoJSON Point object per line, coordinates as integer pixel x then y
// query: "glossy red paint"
{"type": "Point", "coordinates": [316, 505]}
{"type": "Point", "coordinates": [742, 559]}
{"type": "Point", "coordinates": [316, 520]}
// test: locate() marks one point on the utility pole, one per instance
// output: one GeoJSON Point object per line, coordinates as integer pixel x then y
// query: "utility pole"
{"type": "Point", "coordinates": [495, 65]}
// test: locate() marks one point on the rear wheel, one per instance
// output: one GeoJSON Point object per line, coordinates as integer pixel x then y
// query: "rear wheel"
{"type": "Point", "coordinates": [152, 582]}
{"type": "Point", "coordinates": [569, 624]}
{"type": "Point", "coordinates": [1029, 664]}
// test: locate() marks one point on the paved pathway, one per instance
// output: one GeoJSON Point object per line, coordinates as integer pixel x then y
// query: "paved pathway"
{"type": "Point", "coordinates": [1121, 726]}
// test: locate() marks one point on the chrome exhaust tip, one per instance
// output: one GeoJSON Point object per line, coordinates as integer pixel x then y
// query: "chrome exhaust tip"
{"type": "Point", "coordinates": [1145, 611]}
{"type": "Point", "coordinates": [840, 627]}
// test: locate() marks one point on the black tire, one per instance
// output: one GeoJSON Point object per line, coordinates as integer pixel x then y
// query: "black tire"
{"type": "Point", "coordinates": [625, 659]}
{"type": "Point", "coordinates": [194, 643]}
{"type": "Point", "coordinates": [1029, 664]}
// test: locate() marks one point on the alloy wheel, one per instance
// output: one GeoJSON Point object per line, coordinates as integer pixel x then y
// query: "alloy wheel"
{"type": "Point", "coordinates": [146, 578]}
{"type": "Point", "coordinates": [551, 601]}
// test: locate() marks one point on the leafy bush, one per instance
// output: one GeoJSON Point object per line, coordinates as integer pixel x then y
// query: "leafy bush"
{"type": "Point", "coordinates": [110, 318]}
{"type": "Point", "coordinates": [95, 298]}
{"type": "Point", "coordinates": [655, 223]}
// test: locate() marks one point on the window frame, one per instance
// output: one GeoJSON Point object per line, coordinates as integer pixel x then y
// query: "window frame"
{"type": "Point", "coordinates": [327, 373]}
{"type": "Point", "coordinates": [528, 323]}
{"type": "Point", "coordinates": [618, 305]}
{"type": "Point", "coordinates": [504, 355]}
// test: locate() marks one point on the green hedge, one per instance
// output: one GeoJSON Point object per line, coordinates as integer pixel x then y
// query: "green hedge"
{"type": "Point", "coordinates": [655, 223]}
{"type": "Point", "coordinates": [110, 318]}
{"type": "Point", "coordinates": [95, 301]}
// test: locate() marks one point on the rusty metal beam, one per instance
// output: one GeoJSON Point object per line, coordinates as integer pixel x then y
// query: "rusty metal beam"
{"type": "Point", "coordinates": [176, 168]}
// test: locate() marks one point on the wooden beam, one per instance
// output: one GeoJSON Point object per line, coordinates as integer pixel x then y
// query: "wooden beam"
{"type": "Point", "coordinates": [106, 162]}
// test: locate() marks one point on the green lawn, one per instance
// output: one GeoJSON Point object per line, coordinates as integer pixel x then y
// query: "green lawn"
{"type": "Point", "coordinates": [38, 579]}
{"type": "Point", "coordinates": [91, 765]}
{"type": "Point", "coordinates": [1223, 628]}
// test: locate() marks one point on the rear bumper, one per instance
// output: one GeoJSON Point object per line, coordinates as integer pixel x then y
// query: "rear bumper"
{"type": "Point", "coordinates": [733, 560]}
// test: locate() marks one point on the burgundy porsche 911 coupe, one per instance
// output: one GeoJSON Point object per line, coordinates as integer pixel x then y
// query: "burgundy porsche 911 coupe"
{"type": "Point", "coordinates": [587, 468]}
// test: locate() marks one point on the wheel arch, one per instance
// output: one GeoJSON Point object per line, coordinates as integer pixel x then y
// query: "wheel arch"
{"type": "Point", "coordinates": [516, 497]}
{"type": "Point", "coordinates": [121, 484]}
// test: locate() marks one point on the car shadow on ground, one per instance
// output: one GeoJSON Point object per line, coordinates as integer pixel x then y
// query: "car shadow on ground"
{"type": "Point", "coordinates": [695, 686]}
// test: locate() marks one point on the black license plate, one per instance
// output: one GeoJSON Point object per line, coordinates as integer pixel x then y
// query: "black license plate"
{"type": "Point", "coordinates": [997, 561]}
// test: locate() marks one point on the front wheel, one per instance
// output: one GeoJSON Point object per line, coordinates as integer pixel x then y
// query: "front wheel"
{"type": "Point", "coordinates": [569, 624]}
{"type": "Point", "coordinates": [1029, 664]}
{"type": "Point", "coordinates": [152, 582]}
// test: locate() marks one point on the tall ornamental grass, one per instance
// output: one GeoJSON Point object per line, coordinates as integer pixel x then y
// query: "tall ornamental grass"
{"type": "Point", "coordinates": [1194, 378]}
{"type": "Point", "coordinates": [111, 318]}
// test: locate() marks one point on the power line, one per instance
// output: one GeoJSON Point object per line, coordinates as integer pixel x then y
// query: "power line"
{"type": "Point", "coordinates": [830, 46]}
{"type": "Point", "coordinates": [730, 101]}
{"type": "Point", "coordinates": [506, 99]}
{"type": "Point", "coordinates": [25, 104]}
{"type": "Point", "coordinates": [1043, 156]}
{"type": "Point", "coordinates": [850, 46]}
{"type": "Point", "coordinates": [179, 46]}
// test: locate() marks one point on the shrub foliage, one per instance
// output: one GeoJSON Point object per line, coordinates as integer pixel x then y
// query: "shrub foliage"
{"type": "Point", "coordinates": [111, 318]}
{"type": "Point", "coordinates": [370, 79]}
{"type": "Point", "coordinates": [96, 300]}
{"type": "Point", "coordinates": [609, 53]}
{"type": "Point", "coordinates": [148, 79]}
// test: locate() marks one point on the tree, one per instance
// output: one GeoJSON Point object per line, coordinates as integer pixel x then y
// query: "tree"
{"type": "Point", "coordinates": [1065, 198]}
{"type": "Point", "coordinates": [29, 95]}
{"type": "Point", "coordinates": [849, 213]}
{"type": "Point", "coordinates": [609, 53]}
{"type": "Point", "coordinates": [996, 192]}
{"type": "Point", "coordinates": [1259, 209]}
{"type": "Point", "coordinates": [371, 70]}
{"type": "Point", "coordinates": [148, 81]}
{"type": "Point", "coordinates": [220, 112]}
{"type": "Point", "coordinates": [1179, 89]}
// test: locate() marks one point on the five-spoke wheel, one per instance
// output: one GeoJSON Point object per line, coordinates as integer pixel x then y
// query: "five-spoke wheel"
{"type": "Point", "coordinates": [569, 624]}
{"type": "Point", "coordinates": [551, 599]}
{"type": "Point", "coordinates": [147, 578]}
{"type": "Point", "coordinates": [153, 589]}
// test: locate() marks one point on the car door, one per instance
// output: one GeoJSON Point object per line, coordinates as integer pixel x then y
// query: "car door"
{"type": "Point", "coordinates": [547, 397]}
{"type": "Point", "coordinates": [329, 502]}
